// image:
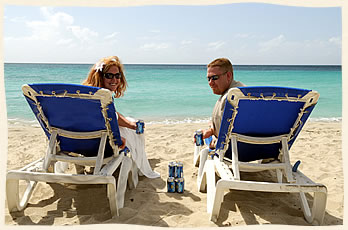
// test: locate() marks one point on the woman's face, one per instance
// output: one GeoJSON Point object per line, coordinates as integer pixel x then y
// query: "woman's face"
{"type": "Point", "coordinates": [115, 78]}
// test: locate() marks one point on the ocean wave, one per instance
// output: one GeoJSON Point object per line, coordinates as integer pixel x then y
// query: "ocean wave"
{"type": "Point", "coordinates": [208, 119]}
{"type": "Point", "coordinates": [326, 119]}
{"type": "Point", "coordinates": [20, 122]}
{"type": "Point", "coordinates": [179, 121]}
{"type": "Point", "coordinates": [173, 121]}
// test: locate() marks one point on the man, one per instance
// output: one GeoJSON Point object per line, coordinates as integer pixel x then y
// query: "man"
{"type": "Point", "coordinates": [220, 78]}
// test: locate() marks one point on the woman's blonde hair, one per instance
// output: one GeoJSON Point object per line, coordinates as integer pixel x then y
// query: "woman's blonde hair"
{"type": "Point", "coordinates": [96, 74]}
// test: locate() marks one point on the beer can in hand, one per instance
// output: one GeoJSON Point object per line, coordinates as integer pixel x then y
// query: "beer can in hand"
{"type": "Point", "coordinates": [199, 138]}
{"type": "Point", "coordinates": [140, 127]}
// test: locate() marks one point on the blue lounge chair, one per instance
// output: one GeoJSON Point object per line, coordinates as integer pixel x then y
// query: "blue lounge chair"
{"type": "Point", "coordinates": [81, 125]}
{"type": "Point", "coordinates": [259, 124]}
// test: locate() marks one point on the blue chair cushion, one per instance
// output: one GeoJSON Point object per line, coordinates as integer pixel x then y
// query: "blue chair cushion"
{"type": "Point", "coordinates": [75, 114]}
{"type": "Point", "coordinates": [263, 118]}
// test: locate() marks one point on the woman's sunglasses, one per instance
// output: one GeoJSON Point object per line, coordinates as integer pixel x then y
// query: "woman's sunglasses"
{"type": "Point", "coordinates": [111, 75]}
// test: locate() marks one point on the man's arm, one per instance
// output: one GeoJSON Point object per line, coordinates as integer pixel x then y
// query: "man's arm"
{"type": "Point", "coordinates": [208, 132]}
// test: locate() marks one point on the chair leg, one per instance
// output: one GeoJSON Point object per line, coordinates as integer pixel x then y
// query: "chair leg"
{"type": "Point", "coordinates": [126, 166]}
{"type": "Point", "coordinates": [203, 158]}
{"type": "Point", "coordinates": [216, 205]}
{"type": "Point", "coordinates": [318, 209]}
{"type": "Point", "coordinates": [14, 201]}
{"type": "Point", "coordinates": [112, 196]}
{"type": "Point", "coordinates": [51, 150]}
{"type": "Point", "coordinates": [279, 175]}
{"type": "Point", "coordinates": [201, 177]}
{"type": "Point", "coordinates": [315, 215]}
{"type": "Point", "coordinates": [133, 177]}
{"type": "Point", "coordinates": [288, 168]}
{"type": "Point", "coordinates": [215, 193]}
{"type": "Point", "coordinates": [196, 155]}
{"type": "Point", "coordinates": [202, 182]}
{"type": "Point", "coordinates": [210, 175]}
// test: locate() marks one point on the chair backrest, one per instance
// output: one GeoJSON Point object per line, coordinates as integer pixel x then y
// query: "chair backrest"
{"type": "Point", "coordinates": [264, 112]}
{"type": "Point", "coordinates": [75, 108]}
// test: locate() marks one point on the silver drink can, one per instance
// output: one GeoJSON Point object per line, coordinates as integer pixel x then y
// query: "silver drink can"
{"type": "Point", "coordinates": [140, 127]}
{"type": "Point", "coordinates": [170, 184]}
{"type": "Point", "coordinates": [199, 138]}
{"type": "Point", "coordinates": [179, 185]}
{"type": "Point", "coordinates": [179, 170]}
{"type": "Point", "coordinates": [171, 169]}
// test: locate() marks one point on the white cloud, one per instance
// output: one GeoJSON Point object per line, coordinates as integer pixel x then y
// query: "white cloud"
{"type": "Point", "coordinates": [336, 40]}
{"type": "Point", "coordinates": [154, 46]}
{"type": "Point", "coordinates": [49, 28]}
{"type": "Point", "coordinates": [186, 42]}
{"type": "Point", "coordinates": [111, 36]}
{"type": "Point", "coordinates": [56, 18]}
{"type": "Point", "coordinates": [215, 45]}
{"type": "Point", "coordinates": [16, 19]}
{"type": "Point", "coordinates": [55, 26]}
{"type": "Point", "coordinates": [271, 44]}
{"type": "Point", "coordinates": [82, 34]}
{"type": "Point", "coordinates": [64, 41]}
{"type": "Point", "coordinates": [241, 35]}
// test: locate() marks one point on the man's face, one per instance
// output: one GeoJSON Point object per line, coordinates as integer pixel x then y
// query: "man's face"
{"type": "Point", "coordinates": [220, 85]}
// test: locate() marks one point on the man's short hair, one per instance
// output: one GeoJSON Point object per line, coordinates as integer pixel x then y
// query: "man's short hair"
{"type": "Point", "coordinates": [223, 63]}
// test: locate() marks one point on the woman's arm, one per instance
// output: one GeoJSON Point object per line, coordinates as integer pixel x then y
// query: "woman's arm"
{"type": "Point", "coordinates": [122, 121]}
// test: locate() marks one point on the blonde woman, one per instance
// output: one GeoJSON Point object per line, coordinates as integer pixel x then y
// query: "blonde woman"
{"type": "Point", "coordinates": [108, 73]}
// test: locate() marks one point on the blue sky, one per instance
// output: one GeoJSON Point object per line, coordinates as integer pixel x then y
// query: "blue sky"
{"type": "Point", "coordinates": [246, 33]}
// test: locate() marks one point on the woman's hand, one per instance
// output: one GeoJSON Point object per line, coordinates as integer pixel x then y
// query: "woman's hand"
{"type": "Point", "coordinates": [123, 143]}
{"type": "Point", "coordinates": [123, 122]}
{"type": "Point", "coordinates": [133, 125]}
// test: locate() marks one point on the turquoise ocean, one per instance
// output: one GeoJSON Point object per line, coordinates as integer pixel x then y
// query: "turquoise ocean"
{"type": "Point", "coordinates": [159, 93]}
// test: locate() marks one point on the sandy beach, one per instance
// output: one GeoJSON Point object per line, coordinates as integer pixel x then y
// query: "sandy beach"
{"type": "Point", "coordinates": [319, 147]}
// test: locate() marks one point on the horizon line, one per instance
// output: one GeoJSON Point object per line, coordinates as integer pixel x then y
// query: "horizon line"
{"type": "Point", "coordinates": [85, 63]}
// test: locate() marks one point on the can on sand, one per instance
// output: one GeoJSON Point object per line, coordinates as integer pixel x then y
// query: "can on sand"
{"type": "Point", "coordinates": [179, 170]}
{"type": "Point", "coordinates": [170, 184]}
{"type": "Point", "coordinates": [171, 169]}
{"type": "Point", "coordinates": [179, 185]}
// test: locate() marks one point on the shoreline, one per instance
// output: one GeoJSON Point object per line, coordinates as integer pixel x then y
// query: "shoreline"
{"type": "Point", "coordinates": [150, 205]}
{"type": "Point", "coordinates": [169, 121]}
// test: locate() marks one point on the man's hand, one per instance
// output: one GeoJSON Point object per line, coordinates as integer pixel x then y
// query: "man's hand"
{"type": "Point", "coordinates": [208, 132]}
{"type": "Point", "coordinates": [212, 144]}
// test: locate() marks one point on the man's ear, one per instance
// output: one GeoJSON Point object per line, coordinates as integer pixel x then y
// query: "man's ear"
{"type": "Point", "coordinates": [229, 76]}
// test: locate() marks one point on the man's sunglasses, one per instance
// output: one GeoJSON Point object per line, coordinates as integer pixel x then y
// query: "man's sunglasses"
{"type": "Point", "coordinates": [215, 77]}
{"type": "Point", "coordinates": [111, 75]}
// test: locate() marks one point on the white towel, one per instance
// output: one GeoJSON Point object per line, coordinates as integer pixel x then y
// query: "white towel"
{"type": "Point", "coordinates": [136, 144]}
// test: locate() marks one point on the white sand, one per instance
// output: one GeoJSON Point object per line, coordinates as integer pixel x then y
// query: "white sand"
{"type": "Point", "coordinates": [319, 147]}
